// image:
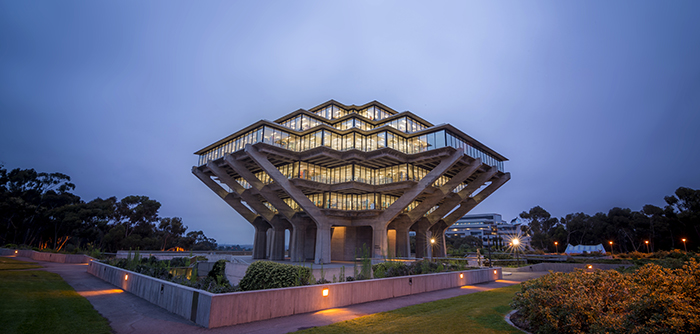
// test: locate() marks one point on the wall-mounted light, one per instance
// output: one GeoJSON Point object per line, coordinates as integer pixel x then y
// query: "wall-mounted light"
{"type": "Point", "coordinates": [495, 272]}
{"type": "Point", "coordinates": [325, 292]}
{"type": "Point", "coordinates": [15, 252]}
{"type": "Point", "coordinates": [126, 277]}
{"type": "Point", "coordinates": [590, 266]}
{"type": "Point", "coordinates": [461, 275]}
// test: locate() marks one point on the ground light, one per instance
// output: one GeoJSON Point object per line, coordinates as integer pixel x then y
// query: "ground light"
{"type": "Point", "coordinates": [611, 250]}
{"type": "Point", "coordinates": [686, 248]}
{"type": "Point", "coordinates": [325, 292]}
{"type": "Point", "coordinates": [15, 252]}
{"type": "Point", "coordinates": [590, 266]}
{"type": "Point", "coordinates": [556, 244]}
{"type": "Point", "coordinates": [647, 242]}
{"type": "Point", "coordinates": [432, 243]}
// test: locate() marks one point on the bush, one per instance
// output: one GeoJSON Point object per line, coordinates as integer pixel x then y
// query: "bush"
{"type": "Point", "coordinates": [651, 300]}
{"type": "Point", "coordinates": [271, 275]}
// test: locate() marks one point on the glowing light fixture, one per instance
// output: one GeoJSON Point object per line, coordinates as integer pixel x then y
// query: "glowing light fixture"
{"type": "Point", "coordinates": [432, 240]}
{"type": "Point", "coordinates": [461, 275]}
{"type": "Point", "coordinates": [126, 277]}
{"type": "Point", "coordinates": [590, 266]}
{"type": "Point", "coordinates": [15, 252]}
{"type": "Point", "coordinates": [516, 242]}
{"type": "Point", "coordinates": [325, 292]}
{"type": "Point", "coordinates": [495, 272]}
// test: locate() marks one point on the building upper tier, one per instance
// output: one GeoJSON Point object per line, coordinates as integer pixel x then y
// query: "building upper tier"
{"type": "Point", "coordinates": [366, 128]}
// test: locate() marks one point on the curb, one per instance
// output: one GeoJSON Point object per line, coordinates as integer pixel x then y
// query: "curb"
{"type": "Point", "coordinates": [507, 317]}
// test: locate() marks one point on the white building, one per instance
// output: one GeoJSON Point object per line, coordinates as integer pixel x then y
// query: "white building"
{"type": "Point", "coordinates": [490, 228]}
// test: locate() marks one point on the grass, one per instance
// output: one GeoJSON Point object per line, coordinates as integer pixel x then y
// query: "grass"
{"type": "Point", "coordinates": [35, 301]}
{"type": "Point", "coordinates": [7, 263]}
{"type": "Point", "coordinates": [480, 312]}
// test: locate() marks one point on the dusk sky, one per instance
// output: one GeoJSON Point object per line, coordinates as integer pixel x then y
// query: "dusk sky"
{"type": "Point", "coordinates": [596, 104]}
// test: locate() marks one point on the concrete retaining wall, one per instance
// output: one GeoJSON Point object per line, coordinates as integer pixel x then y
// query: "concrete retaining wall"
{"type": "Point", "coordinates": [566, 267]}
{"type": "Point", "coordinates": [48, 257]}
{"type": "Point", "coordinates": [241, 307]}
{"type": "Point", "coordinates": [217, 310]}
{"type": "Point", "coordinates": [189, 303]}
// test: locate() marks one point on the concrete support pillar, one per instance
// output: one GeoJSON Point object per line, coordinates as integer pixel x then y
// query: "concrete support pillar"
{"type": "Point", "coordinates": [438, 233]}
{"type": "Point", "coordinates": [323, 244]}
{"type": "Point", "coordinates": [422, 238]}
{"type": "Point", "coordinates": [277, 253]}
{"type": "Point", "coordinates": [403, 242]}
{"type": "Point", "coordinates": [379, 241]}
{"type": "Point", "coordinates": [260, 242]}
{"type": "Point", "coordinates": [391, 243]}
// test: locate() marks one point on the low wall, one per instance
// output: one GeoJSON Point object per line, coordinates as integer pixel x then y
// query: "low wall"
{"type": "Point", "coordinates": [566, 267]}
{"type": "Point", "coordinates": [217, 310]}
{"type": "Point", "coordinates": [47, 257]}
{"type": "Point", "coordinates": [189, 303]}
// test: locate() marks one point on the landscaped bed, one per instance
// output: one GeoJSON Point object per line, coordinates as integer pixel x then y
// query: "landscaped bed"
{"type": "Point", "coordinates": [271, 275]}
{"type": "Point", "coordinates": [652, 299]}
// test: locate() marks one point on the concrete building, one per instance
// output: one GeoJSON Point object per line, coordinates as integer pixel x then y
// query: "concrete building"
{"type": "Point", "coordinates": [490, 228]}
{"type": "Point", "coordinates": [339, 177]}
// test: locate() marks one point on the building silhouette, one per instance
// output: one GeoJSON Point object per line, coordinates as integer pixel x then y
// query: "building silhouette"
{"type": "Point", "coordinates": [339, 178]}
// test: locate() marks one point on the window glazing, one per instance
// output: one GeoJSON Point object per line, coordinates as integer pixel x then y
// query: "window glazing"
{"type": "Point", "coordinates": [353, 140]}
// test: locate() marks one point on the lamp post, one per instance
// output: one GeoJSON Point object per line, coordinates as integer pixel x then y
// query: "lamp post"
{"type": "Point", "coordinates": [432, 244]}
{"type": "Point", "coordinates": [647, 242]}
{"type": "Point", "coordinates": [611, 250]}
{"type": "Point", "coordinates": [516, 244]}
{"type": "Point", "coordinates": [556, 244]}
{"type": "Point", "coordinates": [684, 247]}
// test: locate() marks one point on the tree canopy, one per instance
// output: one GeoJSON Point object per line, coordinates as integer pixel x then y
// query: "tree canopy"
{"type": "Point", "coordinates": [663, 228]}
{"type": "Point", "coordinates": [40, 210]}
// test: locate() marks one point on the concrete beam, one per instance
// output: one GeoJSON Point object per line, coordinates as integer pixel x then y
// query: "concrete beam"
{"type": "Point", "coordinates": [247, 196]}
{"type": "Point", "coordinates": [264, 191]}
{"type": "Point", "coordinates": [470, 203]}
{"type": "Point", "coordinates": [411, 194]}
{"type": "Point", "coordinates": [231, 199]}
{"type": "Point", "coordinates": [432, 200]}
{"type": "Point", "coordinates": [452, 201]}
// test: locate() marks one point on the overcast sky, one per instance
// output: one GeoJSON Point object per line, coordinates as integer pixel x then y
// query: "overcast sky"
{"type": "Point", "coordinates": [595, 103]}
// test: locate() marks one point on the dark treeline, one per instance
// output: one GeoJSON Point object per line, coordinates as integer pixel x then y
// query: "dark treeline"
{"type": "Point", "coordinates": [664, 228]}
{"type": "Point", "coordinates": [39, 210]}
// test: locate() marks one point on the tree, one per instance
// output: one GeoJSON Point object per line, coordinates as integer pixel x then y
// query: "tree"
{"type": "Point", "coordinates": [540, 224]}
{"type": "Point", "coordinates": [170, 230]}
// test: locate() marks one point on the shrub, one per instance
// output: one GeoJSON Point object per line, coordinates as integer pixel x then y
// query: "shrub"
{"type": "Point", "coordinates": [651, 300]}
{"type": "Point", "coordinates": [271, 275]}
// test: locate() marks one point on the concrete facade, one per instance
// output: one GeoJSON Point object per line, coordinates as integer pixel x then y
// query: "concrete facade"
{"type": "Point", "coordinates": [339, 177]}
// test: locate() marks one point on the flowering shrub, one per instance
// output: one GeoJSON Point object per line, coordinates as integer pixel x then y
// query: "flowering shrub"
{"type": "Point", "coordinates": [651, 300]}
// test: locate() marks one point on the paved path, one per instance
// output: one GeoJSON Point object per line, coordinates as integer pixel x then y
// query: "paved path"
{"type": "Point", "coordinates": [130, 314]}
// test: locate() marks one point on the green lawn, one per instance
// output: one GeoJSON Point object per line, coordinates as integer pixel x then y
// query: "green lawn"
{"type": "Point", "coordinates": [7, 263]}
{"type": "Point", "coordinates": [35, 301]}
{"type": "Point", "coordinates": [480, 312]}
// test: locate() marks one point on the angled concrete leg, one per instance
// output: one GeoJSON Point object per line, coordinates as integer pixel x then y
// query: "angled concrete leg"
{"type": "Point", "coordinates": [422, 237]}
{"type": "Point", "coordinates": [438, 233]}
{"type": "Point", "coordinates": [323, 244]}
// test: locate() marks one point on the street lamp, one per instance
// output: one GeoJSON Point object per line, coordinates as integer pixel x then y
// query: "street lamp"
{"type": "Point", "coordinates": [556, 244]}
{"type": "Point", "coordinates": [647, 242]}
{"type": "Point", "coordinates": [516, 244]}
{"type": "Point", "coordinates": [611, 250]}
{"type": "Point", "coordinates": [432, 244]}
{"type": "Point", "coordinates": [686, 248]}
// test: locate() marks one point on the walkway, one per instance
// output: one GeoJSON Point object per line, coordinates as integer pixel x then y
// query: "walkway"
{"type": "Point", "coordinates": [130, 314]}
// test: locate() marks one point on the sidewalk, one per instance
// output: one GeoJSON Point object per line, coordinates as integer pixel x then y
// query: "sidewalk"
{"type": "Point", "coordinates": [130, 314]}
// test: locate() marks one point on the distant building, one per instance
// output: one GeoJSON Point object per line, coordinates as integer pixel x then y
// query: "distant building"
{"type": "Point", "coordinates": [579, 249]}
{"type": "Point", "coordinates": [339, 178]}
{"type": "Point", "coordinates": [490, 228]}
